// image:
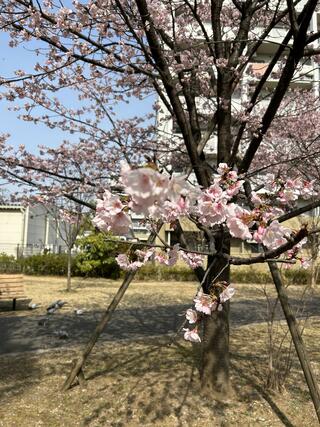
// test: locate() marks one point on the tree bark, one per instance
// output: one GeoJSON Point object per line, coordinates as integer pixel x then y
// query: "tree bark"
{"type": "Point", "coordinates": [313, 273]}
{"type": "Point", "coordinates": [215, 380]}
{"type": "Point", "coordinates": [69, 260]}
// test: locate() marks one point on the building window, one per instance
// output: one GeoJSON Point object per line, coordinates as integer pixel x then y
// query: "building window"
{"type": "Point", "coordinates": [194, 239]}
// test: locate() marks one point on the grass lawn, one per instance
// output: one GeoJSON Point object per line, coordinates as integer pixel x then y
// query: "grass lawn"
{"type": "Point", "coordinates": [145, 381]}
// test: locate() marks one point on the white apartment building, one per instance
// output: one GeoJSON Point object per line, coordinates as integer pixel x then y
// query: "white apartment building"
{"type": "Point", "coordinates": [306, 77]}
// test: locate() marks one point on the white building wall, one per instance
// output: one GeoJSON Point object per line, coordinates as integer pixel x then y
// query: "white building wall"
{"type": "Point", "coordinates": [28, 230]}
{"type": "Point", "coordinates": [42, 229]}
{"type": "Point", "coordinates": [36, 226]}
{"type": "Point", "coordinates": [11, 230]}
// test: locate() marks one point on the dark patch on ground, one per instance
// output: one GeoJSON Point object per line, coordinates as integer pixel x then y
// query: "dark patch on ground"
{"type": "Point", "coordinates": [24, 333]}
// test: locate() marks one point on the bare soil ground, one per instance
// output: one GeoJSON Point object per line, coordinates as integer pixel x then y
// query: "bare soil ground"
{"type": "Point", "coordinates": [135, 377]}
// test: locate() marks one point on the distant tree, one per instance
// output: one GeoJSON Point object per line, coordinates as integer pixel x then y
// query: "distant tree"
{"type": "Point", "coordinates": [69, 219]}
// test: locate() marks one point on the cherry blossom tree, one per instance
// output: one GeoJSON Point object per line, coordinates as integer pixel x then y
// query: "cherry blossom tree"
{"type": "Point", "coordinates": [196, 56]}
{"type": "Point", "coordinates": [69, 218]}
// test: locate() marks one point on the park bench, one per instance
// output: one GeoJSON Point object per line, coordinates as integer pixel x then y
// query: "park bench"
{"type": "Point", "coordinates": [12, 287]}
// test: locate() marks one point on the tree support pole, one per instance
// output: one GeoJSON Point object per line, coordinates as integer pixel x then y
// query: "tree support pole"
{"type": "Point", "coordinates": [296, 338]}
{"type": "Point", "coordinates": [77, 367]}
{"type": "Point", "coordinates": [76, 371]}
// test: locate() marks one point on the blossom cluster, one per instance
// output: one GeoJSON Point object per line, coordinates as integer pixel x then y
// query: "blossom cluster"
{"type": "Point", "coordinates": [205, 304]}
{"type": "Point", "coordinates": [294, 254]}
{"type": "Point", "coordinates": [110, 214]}
{"type": "Point", "coordinates": [160, 197]}
{"type": "Point", "coordinates": [289, 190]}
{"type": "Point", "coordinates": [168, 258]}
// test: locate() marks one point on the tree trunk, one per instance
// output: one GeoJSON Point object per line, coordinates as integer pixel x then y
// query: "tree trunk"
{"type": "Point", "coordinates": [313, 280]}
{"type": "Point", "coordinates": [215, 379]}
{"type": "Point", "coordinates": [69, 259]}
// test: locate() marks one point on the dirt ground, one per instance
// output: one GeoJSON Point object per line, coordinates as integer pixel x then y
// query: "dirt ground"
{"type": "Point", "coordinates": [136, 375]}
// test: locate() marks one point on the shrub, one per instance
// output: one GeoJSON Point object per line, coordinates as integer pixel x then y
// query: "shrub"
{"type": "Point", "coordinates": [294, 276]}
{"type": "Point", "coordinates": [160, 273]}
{"type": "Point", "coordinates": [46, 265]}
{"type": "Point", "coordinates": [250, 275]}
{"type": "Point", "coordinates": [97, 257]}
{"type": "Point", "coordinates": [297, 276]}
{"type": "Point", "coordinates": [8, 264]}
{"type": "Point", "coordinates": [244, 275]}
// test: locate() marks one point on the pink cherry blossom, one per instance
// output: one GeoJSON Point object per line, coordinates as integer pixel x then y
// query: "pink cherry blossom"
{"type": "Point", "coordinates": [124, 263]}
{"type": "Point", "coordinates": [234, 188]}
{"type": "Point", "coordinates": [238, 228]}
{"type": "Point", "coordinates": [143, 256]}
{"type": "Point", "coordinates": [110, 216]}
{"type": "Point", "coordinates": [170, 257]}
{"type": "Point", "coordinates": [211, 213]}
{"type": "Point", "coordinates": [255, 199]}
{"type": "Point", "coordinates": [232, 176]}
{"type": "Point", "coordinates": [307, 189]}
{"type": "Point", "coordinates": [305, 263]}
{"type": "Point", "coordinates": [110, 203]}
{"type": "Point", "coordinates": [170, 211]}
{"type": "Point", "coordinates": [191, 335]}
{"type": "Point", "coordinates": [145, 186]}
{"type": "Point", "coordinates": [237, 222]}
{"type": "Point", "coordinates": [223, 297]}
{"type": "Point", "coordinates": [203, 303]}
{"type": "Point", "coordinates": [191, 259]}
{"type": "Point", "coordinates": [227, 294]}
{"type": "Point", "coordinates": [214, 192]}
{"type": "Point", "coordinates": [287, 195]}
{"type": "Point", "coordinates": [118, 224]}
{"type": "Point", "coordinates": [191, 316]}
{"type": "Point", "coordinates": [177, 187]}
{"type": "Point", "coordinates": [275, 235]}
{"type": "Point", "coordinates": [259, 234]}
{"type": "Point", "coordinates": [223, 168]}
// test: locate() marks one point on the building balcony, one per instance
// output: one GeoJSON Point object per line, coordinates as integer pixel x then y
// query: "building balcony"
{"type": "Point", "coordinates": [304, 75]}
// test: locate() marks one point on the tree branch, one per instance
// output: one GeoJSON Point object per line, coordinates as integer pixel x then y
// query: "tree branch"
{"type": "Point", "coordinates": [270, 254]}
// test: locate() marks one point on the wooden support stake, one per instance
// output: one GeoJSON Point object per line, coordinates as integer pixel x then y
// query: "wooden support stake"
{"type": "Point", "coordinates": [296, 338]}
{"type": "Point", "coordinates": [77, 369]}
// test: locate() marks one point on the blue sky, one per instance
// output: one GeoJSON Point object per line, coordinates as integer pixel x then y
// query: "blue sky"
{"type": "Point", "coordinates": [21, 132]}
{"type": "Point", "coordinates": [27, 133]}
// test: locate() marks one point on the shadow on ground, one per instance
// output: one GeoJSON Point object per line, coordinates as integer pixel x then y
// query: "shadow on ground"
{"type": "Point", "coordinates": [159, 385]}
{"type": "Point", "coordinates": [38, 332]}
{"type": "Point", "coordinates": [135, 377]}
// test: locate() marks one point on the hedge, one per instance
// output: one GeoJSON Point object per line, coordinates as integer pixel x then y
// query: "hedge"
{"type": "Point", "coordinates": [46, 265]}
{"type": "Point", "coordinates": [8, 264]}
{"type": "Point", "coordinates": [161, 273]}
{"type": "Point", "coordinates": [56, 264]}
{"type": "Point", "coordinates": [244, 275]}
